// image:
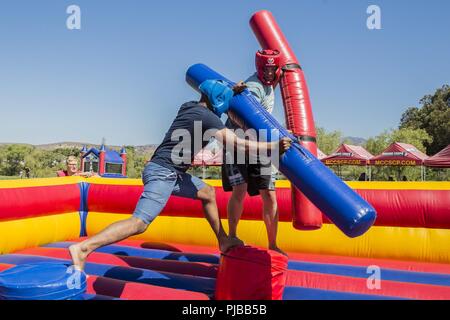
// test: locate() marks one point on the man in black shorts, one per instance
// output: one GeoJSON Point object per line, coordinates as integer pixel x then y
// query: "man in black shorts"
{"type": "Point", "coordinates": [255, 177]}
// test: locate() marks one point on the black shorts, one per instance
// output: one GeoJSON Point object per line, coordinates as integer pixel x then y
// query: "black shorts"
{"type": "Point", "coordinates": [234, 175]}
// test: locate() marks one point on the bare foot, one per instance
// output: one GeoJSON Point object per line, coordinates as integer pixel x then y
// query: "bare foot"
{"type": "Point", "coordinates": [275, 248]}
{"type": "Point", "coordinates": [229, 242]}
{"type": "Point", "coordinates": [78, 256]}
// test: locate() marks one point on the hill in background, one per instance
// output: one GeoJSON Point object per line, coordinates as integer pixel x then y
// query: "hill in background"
{"type": "Point", "coordinates": [145, 149]}
{"type": "Point", "coordinates": [140, 150]}
{"type": "Point", "coordinates": [356, 141]}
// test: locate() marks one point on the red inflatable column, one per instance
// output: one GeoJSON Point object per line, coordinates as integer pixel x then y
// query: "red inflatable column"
{"type": "Point", "coordinates": [249, 273]}
{"type": "Point", "coordinates": [123, 155]}
{"type": "Point", "coordinates": [101, 160]}
{"type": "Point", "coordinates": [297, 106]}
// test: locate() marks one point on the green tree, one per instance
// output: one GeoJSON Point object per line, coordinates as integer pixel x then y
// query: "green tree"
{"type": "Point", "coordinates": [66, 152]}
{"type": "Point", "coordinates": [139, 163]}
{"type": "Point", "coordinates": [13, 159]}
{"type": "Point", "coordinates": [433, 117]}
{"type": "Point", "coordinates": [417, 137]}
{"type": "Point", "coordinates": [376, 145]}
{"type": "Point", "coordinates": [57, 157]}
{"type": "Point", "coordinates": [2, 159]}
{"type": "Point", "coordinates": [328, 142]}
{"type": "Point", "coordinates": [136, 162]}
{"type": "Point", "coordinates": [131, 162]}
{"type": "Point", "coordinates": [41, 163]}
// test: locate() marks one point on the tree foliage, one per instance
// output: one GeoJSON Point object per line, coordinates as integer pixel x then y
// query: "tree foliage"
{"type": "Point", "coordinates": [433, 117]}
{"type": "Point", "coordinates": [135, 162]}
{"type": "Point", "coordinates": [417, 137]}
{"type": "Point", "coordinates": [375, 145]}
{"type": "Point", "coordinates": [19, 160]}
{"type": "Point", "coordinates": [12, 159]}
{"type": "Point", "coordinates": [328, 142]}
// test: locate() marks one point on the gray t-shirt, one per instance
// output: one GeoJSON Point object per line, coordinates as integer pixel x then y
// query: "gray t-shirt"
{"type": "Point", "coordinates": [265, 95]}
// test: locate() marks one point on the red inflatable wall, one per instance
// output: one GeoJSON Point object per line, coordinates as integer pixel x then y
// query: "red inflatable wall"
{"type": "Point", "coordinates": [402, 208]}
{"type": "Point", "coordinates": [29, 202]}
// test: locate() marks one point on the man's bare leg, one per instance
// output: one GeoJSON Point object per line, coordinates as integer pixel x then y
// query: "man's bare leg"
{"type": "Point", "coordinates": [235, 208]}
{"type": "Point", "coordinates": [208, 197]}
{"type": "Point", "coordinates": [270, 216]}
{"type": "Point", "coordinates": [126, 228]}
{"type": "Point", "coordinates": [114, 233]}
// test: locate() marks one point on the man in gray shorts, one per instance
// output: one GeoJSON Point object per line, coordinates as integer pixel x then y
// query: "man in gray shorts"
{"type": "Point", "coordinates": [166, 173]}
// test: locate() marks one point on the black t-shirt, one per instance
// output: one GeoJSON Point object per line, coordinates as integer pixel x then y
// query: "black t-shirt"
{"type": "Point", "coordinates": [186, 136]}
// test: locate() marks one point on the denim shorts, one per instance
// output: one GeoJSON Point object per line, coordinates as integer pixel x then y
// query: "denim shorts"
{"type": "Point", "coordinates": [159, 184]}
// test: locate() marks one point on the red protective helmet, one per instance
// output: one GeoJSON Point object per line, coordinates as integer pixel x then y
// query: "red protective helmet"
{"type": "Point", "coordinates": [268, 59]}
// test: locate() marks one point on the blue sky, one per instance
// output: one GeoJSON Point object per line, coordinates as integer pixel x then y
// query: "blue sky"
{"type": "Point", "coordinates": [121, 76]}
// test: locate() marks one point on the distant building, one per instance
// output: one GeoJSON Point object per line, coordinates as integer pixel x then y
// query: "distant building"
{"type": "Point", "coordinates": [106, 163]}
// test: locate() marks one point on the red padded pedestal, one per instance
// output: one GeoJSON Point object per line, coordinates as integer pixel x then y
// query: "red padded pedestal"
{"type": "Point", "coordinates": [249, 273]}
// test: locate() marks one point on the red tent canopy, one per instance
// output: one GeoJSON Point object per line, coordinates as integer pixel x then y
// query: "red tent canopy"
{"type": "Point", "coordinates": [348, 155]}
{"type": "Point", "coordinates": [399, 154]}
{"type": "Point", "coordinates": [320, 154]}
{"type": "Point", "coordinates": [440, 160]}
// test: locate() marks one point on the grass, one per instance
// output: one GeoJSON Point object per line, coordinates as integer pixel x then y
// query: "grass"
{"type": "Point", "coordinates": [9, 177]}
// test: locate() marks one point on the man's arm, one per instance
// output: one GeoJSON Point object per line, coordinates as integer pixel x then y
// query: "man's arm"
{"type": "Point", "coordinates": [86, 174]}
{"type": "Point", "coordinates": [229, 138]}
{"type": "Point", "coordinates": [239, 87]}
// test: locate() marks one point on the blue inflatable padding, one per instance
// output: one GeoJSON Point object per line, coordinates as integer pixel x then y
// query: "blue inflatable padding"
{"type": "Point", "coordinates": [84, 190]}
{"type": "Point", "coordinates": [157, 278]}
{"type": "Point", "coordinates": [343, 206]}
{"type": "Point", "coordinates": [87, 296]}
{"type": "Point", "coordinates": [147, 253]}
{"type": "Point", "coordinates": [301, 293]}
{"type": "Point", "coordinates": [113, 175]}
{"type": "Point", "coordinates": [42, 281]}
{"type": "Point", "coordinates": [83, 221]}
{"type": "Point", "coordinates": [361, 272]}
{"type": "Point", "coordinates": [83, 211]}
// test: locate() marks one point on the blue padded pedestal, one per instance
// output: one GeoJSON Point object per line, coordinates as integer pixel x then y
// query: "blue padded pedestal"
{"type": "Point", "coordinates": [42, 281]}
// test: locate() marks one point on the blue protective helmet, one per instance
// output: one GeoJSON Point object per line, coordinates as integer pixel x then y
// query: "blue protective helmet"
{"type": "Point", "coordinates": [218, 93]}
